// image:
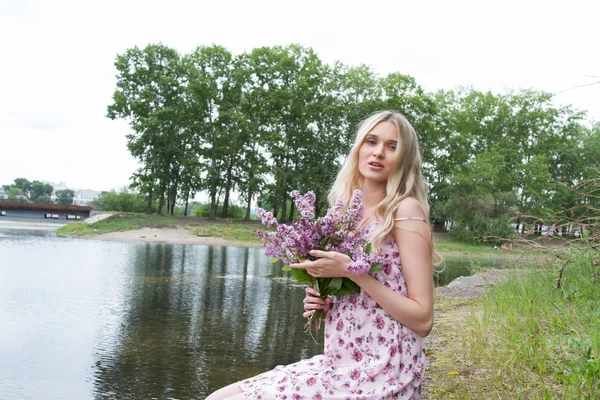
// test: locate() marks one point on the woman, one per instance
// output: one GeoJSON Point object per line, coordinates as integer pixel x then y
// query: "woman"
{"type": "Point", "coordinates": [374, 339]}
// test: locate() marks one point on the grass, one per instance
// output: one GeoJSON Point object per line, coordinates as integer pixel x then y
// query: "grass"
{"type": "Point", "coordinates": [526, 339]}
{"type": "Point", "coordinates": [236, 230]}
{"type": "Point", "coordinates": [230, 231]}
{"type": "Point", "coordinates": [224, 229]}
{"type": "Point", "coordinates": [444, 243]}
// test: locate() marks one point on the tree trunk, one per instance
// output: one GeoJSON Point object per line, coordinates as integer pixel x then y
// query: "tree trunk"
{"type": "Point", "coordinates": [276, 203]}
{"type": "Point", "coordinates": [187, 202]}
{"type": "Point", "coordinates": [248, 206]}
{"type": "Point", "coordinates": [276, 198]}
{"type": "Point", "coordinates": [292, 208]}
{"type": "Point", "coordinates": [317, 204]}
{"type": "Point", "coordinates": [227, 190]}
{"type": "Point", "coordinates": [149, 206]}
{"type": "Point", "coordinates": [161, 202]}
{"type": "Point", "coordinates": [283, 191]}
{"type": "Point", "coordinates": [173, 198]}
{"type": "Point", "coordinates": [213, 203]}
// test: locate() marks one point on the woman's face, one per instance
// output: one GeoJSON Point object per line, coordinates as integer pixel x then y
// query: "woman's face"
{"type": "Point", "coordinates": [377, 153]}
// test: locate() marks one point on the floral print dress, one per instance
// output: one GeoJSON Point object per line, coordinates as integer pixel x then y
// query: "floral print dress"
{"type": "Point", "coordinates": [367, 354]}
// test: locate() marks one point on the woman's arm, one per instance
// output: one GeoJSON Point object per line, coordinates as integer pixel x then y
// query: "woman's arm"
{"type": "Point", "coordinates": [413, 241]}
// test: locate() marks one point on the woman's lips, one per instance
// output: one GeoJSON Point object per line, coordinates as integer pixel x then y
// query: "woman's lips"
{"type": "Point", "coordinates": [375, 166]}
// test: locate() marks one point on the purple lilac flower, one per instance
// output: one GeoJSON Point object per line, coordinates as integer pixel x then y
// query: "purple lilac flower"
{"type": "Point", "coordinates": [360, 265]}
{"type": "Point", "coordinates": [305, 204]}
{"type": "Point", "coordinates": [266, 217]}
{"type": "Point", "coordinates": [337, 231]}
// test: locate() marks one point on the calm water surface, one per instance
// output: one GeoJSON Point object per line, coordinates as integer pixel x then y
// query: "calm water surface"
{"type": "Point", "coordinates": [88, 319]}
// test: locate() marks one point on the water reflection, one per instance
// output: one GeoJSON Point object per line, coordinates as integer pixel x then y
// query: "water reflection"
{"type": "Point", "coordinates": [459, 266]}
{"type": "Point", "coordinates": [198, 318]}
{"type": "Point", "coordinates": [110, 320]}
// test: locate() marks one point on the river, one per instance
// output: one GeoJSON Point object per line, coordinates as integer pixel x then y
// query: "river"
{"type": "Point", "coordinates": [90, 319]}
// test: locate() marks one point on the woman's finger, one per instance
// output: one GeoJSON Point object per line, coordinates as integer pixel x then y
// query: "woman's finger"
{"type": "Point", "coordinates": [311, 292]}
{"type": "Point", "coordinates": [322, 254]}
{"type": "Point", "coordinates": [312, 299]}
{"type": "Point", "coordinates": [302, 264]}
{"type": "Point", "coordinates": [312, 306]}
{"type": "Point", "coordinates": [308, 314]}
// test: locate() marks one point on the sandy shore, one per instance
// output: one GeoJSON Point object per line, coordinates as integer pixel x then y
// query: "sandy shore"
{"type": "Point", "coordinates": [174, 235]}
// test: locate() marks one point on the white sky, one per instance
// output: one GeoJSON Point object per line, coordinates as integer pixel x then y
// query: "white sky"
{"type": "Point", "coordinates": [57, 75]}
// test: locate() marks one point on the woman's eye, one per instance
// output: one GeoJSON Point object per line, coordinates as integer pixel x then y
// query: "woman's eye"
{"type": "Point", "coordinates": [371, 141]}
{"type": "Point", "coordinates": [392, 148]}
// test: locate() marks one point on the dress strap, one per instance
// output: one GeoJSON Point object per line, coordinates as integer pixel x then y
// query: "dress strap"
{"type": "Point", "coordinates": [410, 219]}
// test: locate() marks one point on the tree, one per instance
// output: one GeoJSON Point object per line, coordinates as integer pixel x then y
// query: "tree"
{"type": "Point", "coordinates": [39, 189]}
{"type": "Point", "coordinates": [211, 95]}
{"type": "Point", "coordinates": [149, 96]}
{"type": "Point", "coordinates": [15, 194]}
{"type": "Point", "coordinates": [23, 185]}
{"type": "Point", "coordinates": [64, 196]}
{"type": "Point", "coordinates": [44, 199]}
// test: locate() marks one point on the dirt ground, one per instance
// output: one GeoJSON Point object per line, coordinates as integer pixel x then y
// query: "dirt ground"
{"type": "Point", "coordinates": [174, 235]}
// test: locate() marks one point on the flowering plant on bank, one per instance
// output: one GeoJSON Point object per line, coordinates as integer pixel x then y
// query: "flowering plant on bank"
{"type": "Point", "coordinates": [338, 231]}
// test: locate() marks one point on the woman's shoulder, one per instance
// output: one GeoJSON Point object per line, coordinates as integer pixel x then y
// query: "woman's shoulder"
{"type": "Point", "coordinates": [409, 207]}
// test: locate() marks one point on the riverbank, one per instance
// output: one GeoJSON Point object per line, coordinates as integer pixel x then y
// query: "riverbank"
{"type": "Point", "coordinates": [189, 230]}
{"type": "Point", "coordinates": [30, 225]}
{"type": "Point", "coordinates": [173, 235]}
{"type": "Point", "coordinates": [528, 335]}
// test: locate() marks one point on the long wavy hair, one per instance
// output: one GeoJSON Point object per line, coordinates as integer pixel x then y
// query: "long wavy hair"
{"type": "Point", "coordinates": [406, 181]}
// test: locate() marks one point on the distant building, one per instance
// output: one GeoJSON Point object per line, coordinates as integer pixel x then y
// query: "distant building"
{"type": "Point", "coordinates": [84, 197]}
{"type": "Point", "coordinates": [81, 197]}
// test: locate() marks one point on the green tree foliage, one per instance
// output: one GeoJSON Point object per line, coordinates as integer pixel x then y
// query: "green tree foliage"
{"type": "Point", "coordinates": [15, 194]}
{"type": "Point", "coordinates": [278, 118]}
{"type": "Point", "coordinates": [22, 194]}
{"type": "Point", "coordinates": [44, 199]}
{"type": "Point", "coordinates": [40, 192]}
{"type": "Point", "coordinates": [64, 196]}
{"type": "Point", "coordinates": [121, 200]}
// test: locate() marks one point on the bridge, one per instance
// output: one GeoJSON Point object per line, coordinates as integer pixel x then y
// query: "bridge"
{"type": "Point", "coordinates": [42, 212]}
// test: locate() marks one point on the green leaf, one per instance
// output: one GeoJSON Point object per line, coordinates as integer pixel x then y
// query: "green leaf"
{"type": "Point", "coordinates": [374, 268]}
{"type": "Point", "coordinates": [368, 248]}
{"type": "Point", "coordinates": [324, 241]}
{"type": "Point", "coordinates": [274, 260]}
{"type": "Point", "coordinates": [342, 292]}
{"type": "Point", "coordinates": [286, 268]}
{"type": "Point", "coordinates": [300, 274]}
{"type": "Point", "coordinates": [351, 285]}
{"type": "Point", "coordinates": [335, 284]}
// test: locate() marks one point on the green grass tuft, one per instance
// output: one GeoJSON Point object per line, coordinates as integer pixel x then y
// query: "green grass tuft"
{"type": "Point", "coordinates": [530, 339]}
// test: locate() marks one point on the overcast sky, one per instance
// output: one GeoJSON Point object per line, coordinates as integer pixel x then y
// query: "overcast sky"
{"type": "Point", "coordinates": [57, 75]}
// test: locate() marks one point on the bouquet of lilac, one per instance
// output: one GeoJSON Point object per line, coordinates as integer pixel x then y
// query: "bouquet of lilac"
{"type": "Point", "coordinates": [337, 231]}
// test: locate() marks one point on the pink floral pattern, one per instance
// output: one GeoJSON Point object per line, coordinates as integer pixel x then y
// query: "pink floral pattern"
{"type": "Point", "coordinates": [367, 354]}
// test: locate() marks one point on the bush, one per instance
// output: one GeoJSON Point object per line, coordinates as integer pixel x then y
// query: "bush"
{"type": "Point", "coordinates": [203, 210]}
{"type": "Point", "coordinates": [482, 230]}
{"type": "Point", "coordinates": [122, 200]}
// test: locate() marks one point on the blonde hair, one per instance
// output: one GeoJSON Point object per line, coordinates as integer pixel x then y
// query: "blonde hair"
{"type": "Point", "coordinates": [407, 181]}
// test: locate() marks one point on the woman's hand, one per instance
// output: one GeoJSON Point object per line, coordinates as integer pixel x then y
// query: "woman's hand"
{"type": "Point", "coordinates": [329, 264]}
{"type": "Point", "coordinates": [313, 302]}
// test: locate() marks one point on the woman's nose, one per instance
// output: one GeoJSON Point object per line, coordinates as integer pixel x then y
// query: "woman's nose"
{"type": "Point", "coordinates": [378, 152]}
